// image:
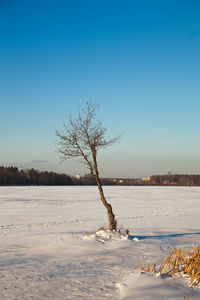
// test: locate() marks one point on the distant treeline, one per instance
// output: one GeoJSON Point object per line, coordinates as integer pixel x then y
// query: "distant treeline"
{"type": "Point", "coordinates": [14, 176]}
{"type": "Point", "coordinates": [175, 179]}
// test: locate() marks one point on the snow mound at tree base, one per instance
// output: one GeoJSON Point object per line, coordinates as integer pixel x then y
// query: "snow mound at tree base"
{"type": "Point", "coordinates": [105, 235]}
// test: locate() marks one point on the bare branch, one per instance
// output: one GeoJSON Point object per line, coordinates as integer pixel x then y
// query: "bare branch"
{"type": "Point", "coordinates": [81, 135]}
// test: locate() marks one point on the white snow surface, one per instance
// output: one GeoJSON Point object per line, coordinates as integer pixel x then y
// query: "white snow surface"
{"type": "Point", "coordinates": [45, 254]}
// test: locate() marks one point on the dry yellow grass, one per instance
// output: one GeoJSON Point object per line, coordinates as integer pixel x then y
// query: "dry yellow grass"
{"type": "Point", "coordinates": [178, 262]}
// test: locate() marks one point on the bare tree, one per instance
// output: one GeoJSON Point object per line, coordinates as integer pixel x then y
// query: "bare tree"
{"type": "Point", "coordinates": [82, 137]}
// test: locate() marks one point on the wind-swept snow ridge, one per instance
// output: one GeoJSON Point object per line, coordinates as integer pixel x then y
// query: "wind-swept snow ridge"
{"type": "Point", "coordinates": [146, 287]}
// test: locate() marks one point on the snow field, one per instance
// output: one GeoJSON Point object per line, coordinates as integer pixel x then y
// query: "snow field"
{"type": "Point", "coordinates": [43, 254]}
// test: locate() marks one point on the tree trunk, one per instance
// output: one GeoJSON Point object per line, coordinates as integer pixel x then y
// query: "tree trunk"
{"type": "Point", "coordinates": [111, 216]}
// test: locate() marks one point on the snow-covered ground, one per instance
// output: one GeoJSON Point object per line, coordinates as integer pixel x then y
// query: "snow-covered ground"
{"type": "Point", "coordinates": [43, 254]}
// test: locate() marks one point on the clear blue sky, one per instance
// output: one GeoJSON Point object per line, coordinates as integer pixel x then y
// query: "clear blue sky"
{"type": "Point", "coordinates": [139, 60]}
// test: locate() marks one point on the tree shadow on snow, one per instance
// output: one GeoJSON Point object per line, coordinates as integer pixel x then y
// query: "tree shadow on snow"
{"type": "Point", "coordinates": [161, 236]}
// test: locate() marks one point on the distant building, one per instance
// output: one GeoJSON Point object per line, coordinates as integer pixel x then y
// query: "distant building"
{"type": "Point", "coordinates": [146, 178]}
{"type": "Point", "coordinates": [166, 181]}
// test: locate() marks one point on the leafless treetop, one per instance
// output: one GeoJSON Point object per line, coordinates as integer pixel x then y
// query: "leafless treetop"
{"type": "Point", "coordinates": [82, 136]}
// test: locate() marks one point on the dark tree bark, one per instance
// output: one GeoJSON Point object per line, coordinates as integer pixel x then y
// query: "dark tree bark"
{"type": "Point", "coordinates": [111, 216]}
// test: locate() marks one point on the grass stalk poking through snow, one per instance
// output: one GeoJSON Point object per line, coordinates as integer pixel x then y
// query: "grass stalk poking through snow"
{"type": "Point", "coordinates": [178, 262]}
